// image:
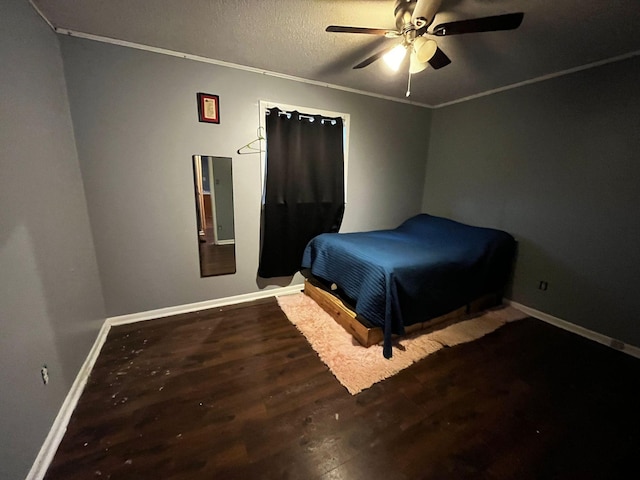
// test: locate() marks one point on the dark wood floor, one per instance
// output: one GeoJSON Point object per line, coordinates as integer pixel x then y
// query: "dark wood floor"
{"type": "Point", "coordinates": [238, 393]}
{"type": "Point", "coordinates": [215, 259]}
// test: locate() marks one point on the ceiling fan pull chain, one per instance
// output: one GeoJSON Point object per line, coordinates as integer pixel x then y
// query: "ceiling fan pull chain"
{"type": "Point", "coordinates": [409, 86]}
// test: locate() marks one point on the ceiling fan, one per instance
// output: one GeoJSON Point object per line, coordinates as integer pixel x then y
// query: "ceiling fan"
{"type": "Point", "coordinates": [413, 17]}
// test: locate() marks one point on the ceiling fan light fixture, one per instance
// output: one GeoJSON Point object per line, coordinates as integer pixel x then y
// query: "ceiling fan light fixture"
{"type": "Point", "coordinates": [394, 57]}
{"type": "Point", "coordinates": [416, 66]}
{"type": "Point", "coordinates": [424, 48]}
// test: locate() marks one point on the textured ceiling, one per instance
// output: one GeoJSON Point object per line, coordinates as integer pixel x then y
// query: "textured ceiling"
{"type": "Point", "coordinates": [288, 37]}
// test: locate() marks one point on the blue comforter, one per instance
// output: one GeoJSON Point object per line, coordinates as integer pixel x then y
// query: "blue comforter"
{"type": "Point", "coordinates": [426, 267]}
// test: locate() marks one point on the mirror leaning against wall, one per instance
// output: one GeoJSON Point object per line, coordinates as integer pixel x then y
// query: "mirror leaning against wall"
{"type": "Point", "coordinates": [213, 186]}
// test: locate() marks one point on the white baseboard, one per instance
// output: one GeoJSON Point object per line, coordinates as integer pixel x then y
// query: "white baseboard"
{"type": "Point", "coordinates": [231, 241]}
{"type": "Point", "coordinates": [59, 427]}
{"type": "Point", "coordinates": [577, 329]}
{"type": "Point", "coordinates": [195, 307]}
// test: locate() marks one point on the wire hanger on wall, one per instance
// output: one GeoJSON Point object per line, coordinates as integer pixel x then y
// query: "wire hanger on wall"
{"type": "Point", "coordinates": [250, 147]}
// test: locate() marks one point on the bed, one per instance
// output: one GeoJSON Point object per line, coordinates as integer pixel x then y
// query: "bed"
{"type": "Point", "coordinates": [425, 268]}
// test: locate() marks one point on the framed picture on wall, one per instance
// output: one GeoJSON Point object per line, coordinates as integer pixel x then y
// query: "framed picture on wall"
{"type": "Point", "coordinates": [208, 108]}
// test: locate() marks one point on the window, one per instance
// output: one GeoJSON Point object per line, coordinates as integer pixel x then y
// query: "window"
{"type": "Point", "coordinates": [265, 105]}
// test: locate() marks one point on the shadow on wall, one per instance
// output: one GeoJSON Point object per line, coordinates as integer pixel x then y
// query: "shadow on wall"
{"type": "Point", "coordinates": [275, 281]}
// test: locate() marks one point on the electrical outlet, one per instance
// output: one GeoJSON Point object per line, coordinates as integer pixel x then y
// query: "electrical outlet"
{"type": "Point", "coordinates": [44, 372]}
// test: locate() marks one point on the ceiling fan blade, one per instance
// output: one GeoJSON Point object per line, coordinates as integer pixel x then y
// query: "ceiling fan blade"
{"type": "Point", "coordinates": [365, 30]}
{"type": "Point", "coordinates": [439, 59]}
{"type": "Point", "coordinates": [507, 21]}
{"type": "Point", "coordinates": [376, 56]}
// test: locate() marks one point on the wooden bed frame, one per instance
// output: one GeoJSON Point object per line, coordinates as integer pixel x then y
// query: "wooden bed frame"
{"type": "Point", "coordinates": [367, 334]}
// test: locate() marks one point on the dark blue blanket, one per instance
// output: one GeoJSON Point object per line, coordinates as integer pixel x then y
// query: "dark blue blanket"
{"type": "Point", "coordinates": [426, 267]}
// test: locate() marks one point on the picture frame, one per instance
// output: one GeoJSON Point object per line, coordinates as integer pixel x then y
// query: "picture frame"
{"type": "Point", "coordinates": [208, 108]}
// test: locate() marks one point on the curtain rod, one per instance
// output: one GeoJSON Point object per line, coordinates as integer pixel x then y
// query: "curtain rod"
{"type": "Point", "coordinates": [308, 116]}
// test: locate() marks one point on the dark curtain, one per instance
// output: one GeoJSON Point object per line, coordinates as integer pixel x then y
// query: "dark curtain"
{"type": "Point", "coordinates": [304, 192]}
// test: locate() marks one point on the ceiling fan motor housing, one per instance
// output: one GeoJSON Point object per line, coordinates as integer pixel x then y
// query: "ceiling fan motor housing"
{"type": "Point", "coordinates": [403, 12]}
{"type": "Point", "coordinates": [415, 14]}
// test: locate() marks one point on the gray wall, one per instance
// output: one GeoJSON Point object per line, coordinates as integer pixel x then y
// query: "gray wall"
{"type": "Point", "coordinates": [136, 128]}
{"type": "Point", "coordinates": [557, 164]}
{"type": "Point", "coordinates": [51, 306]}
